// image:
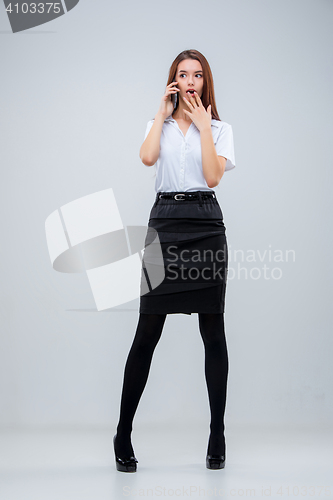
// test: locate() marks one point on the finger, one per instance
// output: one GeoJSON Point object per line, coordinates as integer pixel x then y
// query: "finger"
{"type": "Point", "coordinates": [193, 101]}
{"type": "Point", "coordinates": [171, 91]}
{"type": "Point", "coordinates": [170, 87]}
{"type": "Point", "coordinates": [188, 103]}
{"type": "Point", "coordinates": [197, 97]}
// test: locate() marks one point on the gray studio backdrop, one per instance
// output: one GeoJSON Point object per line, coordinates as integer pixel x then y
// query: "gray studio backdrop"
{"type": "Point", "coordinates": [76, 95]}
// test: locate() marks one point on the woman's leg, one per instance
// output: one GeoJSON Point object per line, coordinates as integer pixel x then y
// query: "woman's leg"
{"type": "Point", "coordinates": [216, 371]}
{"type": "Point", "coordinates": [136, 372]}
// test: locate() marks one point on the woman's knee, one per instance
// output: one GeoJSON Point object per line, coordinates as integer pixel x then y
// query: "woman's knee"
{"type": "Point", "coordinates": [149, 329]}
{"type": "Point", "coordinates": [211, 327]}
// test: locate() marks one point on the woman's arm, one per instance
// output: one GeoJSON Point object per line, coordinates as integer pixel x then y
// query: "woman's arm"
{"type": "Point", "coordinates": [213, 166]}
{"type": "Point", "coordinates": [150, 149]}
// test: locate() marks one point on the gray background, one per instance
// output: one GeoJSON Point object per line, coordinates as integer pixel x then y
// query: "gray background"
{"type": "Point", "coordinates": [76, 95]}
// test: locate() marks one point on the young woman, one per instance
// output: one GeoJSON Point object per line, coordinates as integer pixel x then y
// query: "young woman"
{"type": "Point", "coordinates": [192, 148]}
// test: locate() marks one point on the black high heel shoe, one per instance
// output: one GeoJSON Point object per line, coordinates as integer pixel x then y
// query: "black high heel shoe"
{"type": "Point", "coordinates": [126, 464]}
{"type": "Point", "coordinates": [214, 461]}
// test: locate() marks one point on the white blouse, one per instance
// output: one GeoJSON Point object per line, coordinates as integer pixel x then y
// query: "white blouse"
{"type": "Point", "coordinates": [179, 165]}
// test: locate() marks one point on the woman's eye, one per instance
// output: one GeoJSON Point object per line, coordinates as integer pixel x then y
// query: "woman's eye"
{"type": "Point", "coordinates": [183, 74]}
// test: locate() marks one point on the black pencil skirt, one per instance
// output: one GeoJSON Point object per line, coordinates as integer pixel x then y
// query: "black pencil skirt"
{"type": "Point", "coordinates": [185, 258]}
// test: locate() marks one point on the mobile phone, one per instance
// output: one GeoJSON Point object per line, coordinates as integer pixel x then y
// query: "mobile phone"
{"type": "Point", "coordinates": [174, 97]}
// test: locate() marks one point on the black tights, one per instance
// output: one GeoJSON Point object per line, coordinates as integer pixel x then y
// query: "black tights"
{"type": "Point", "coordinates": [137, 367]}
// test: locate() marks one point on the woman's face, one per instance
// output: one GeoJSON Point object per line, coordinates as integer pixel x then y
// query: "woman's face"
{"type": "Point", "coordinates": [189, 75]}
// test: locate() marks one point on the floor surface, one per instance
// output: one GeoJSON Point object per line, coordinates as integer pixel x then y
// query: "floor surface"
{"type": "Point", "coordinates": [274, 462]}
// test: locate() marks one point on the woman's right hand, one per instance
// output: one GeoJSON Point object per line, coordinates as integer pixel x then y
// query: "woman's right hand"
{"type": "Point", "coordinates": [150, 149]}
{"type": "Point", "coordinates": [166, 106]}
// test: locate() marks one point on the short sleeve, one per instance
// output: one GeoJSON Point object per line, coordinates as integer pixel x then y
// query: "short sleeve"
{"type": "Point", "coordinates": [225, 145]}
{"type": "Point", "coordinates": [149, 126]}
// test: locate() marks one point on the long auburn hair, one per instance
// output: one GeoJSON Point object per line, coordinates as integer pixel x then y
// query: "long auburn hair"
{"type": "Point", "coordinates": [208, 95]}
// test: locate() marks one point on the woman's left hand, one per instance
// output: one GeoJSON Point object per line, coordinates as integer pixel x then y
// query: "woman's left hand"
{"type": "Point", "coordinates": [200, 117]}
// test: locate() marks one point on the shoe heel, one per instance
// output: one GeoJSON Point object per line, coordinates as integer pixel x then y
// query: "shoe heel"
{"type": "Point", "coordinates": [127, 464]}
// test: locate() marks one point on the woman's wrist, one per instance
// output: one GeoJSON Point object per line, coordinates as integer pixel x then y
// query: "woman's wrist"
{"type": "Point", "coordinates": [160, 116]}
{"type": "Point", "coordinates": [206, 130]}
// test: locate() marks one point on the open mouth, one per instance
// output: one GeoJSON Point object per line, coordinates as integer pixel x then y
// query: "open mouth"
{"type": "Point", "coordinates": [190, 92]}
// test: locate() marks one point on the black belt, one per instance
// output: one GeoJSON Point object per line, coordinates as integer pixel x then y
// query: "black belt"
{"type": "Point", "coordinates": [187, 196]}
